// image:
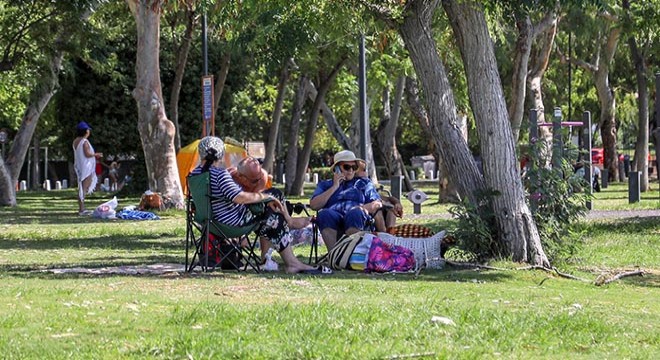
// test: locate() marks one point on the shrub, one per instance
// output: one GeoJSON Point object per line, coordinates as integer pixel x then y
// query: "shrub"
{"type": "Point", "coordinates": [475, 227]}
{"type": "Point", "coordinates": [557, 199]}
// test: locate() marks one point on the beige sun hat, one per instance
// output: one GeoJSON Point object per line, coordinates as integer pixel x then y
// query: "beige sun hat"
{"type": "Point", "coordinates": [345, 156]}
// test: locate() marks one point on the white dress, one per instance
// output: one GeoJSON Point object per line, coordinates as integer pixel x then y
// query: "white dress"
{"type": "Point", "coordinates": [85, 167]}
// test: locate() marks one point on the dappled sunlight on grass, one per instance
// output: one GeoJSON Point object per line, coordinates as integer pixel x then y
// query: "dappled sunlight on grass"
{"type": "Point", "coordinates": [455, 312]}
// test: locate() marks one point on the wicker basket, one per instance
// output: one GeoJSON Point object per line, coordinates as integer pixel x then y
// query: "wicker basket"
{"type": "Point", "coordinates": [426, 250]}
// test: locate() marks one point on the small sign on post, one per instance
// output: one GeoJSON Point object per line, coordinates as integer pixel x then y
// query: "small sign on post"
{"type": "Point", "coordinates": [208, 115]}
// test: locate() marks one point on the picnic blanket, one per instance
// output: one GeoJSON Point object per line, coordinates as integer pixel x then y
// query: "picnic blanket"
{"type": "Point", "coordinates": [137, 215]}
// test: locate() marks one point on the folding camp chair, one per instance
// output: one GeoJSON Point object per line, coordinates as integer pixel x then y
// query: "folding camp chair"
{"type": "Point", "coordinates": [314, 258]}
{"type": "Point", "coordinates": [299, 208]}
{"type": "Point", "coordinates": [206, 238]}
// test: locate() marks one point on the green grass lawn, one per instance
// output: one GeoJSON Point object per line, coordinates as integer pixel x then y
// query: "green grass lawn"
{"type": "Point", "coordinates": [509, 314]}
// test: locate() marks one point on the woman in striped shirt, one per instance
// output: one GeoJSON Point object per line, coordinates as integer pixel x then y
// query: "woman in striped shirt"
{"type": "Point", "coordinates": [230, 202]}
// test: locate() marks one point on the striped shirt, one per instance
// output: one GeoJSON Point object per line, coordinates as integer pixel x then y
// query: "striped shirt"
{"type": "Point", "coordinates": [224, 190]}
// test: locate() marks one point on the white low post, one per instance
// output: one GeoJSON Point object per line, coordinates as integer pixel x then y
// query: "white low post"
{"type": "Point", "coordinates": [106, 182]}
{"type": "Point", "coordinates": [306, 177]}
{"type": "Point", "coordinates": [65, 184]}
{"type": "Point", "coordinates": [283, 178]}
{"type": "Point", "coordinates": [47, 185]}
{"type": "Point", "coordinates": [412, 175]}
{"type": "Point", "coordinates": [23, 185]}
{"type": "Point", "coordinates": [58, 185]}
{"type": "Point", "coordinates": [316, 178]}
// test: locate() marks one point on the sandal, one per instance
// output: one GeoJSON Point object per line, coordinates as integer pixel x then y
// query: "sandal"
{"type": "Point", "coordinates": [319, 270]}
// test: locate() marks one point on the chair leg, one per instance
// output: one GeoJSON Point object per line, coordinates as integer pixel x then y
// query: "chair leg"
{"type": "Point", "coordinates": [314, 258]}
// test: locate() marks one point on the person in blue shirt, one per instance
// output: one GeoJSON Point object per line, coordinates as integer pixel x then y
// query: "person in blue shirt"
{"type": "Point", "coordinates": [345, 203]}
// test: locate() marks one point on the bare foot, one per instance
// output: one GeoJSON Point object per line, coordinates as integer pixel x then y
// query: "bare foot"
{"type": "Point", "coordinates": [299, 222]}
{"type": "Point", "coordinates": [298, 268]}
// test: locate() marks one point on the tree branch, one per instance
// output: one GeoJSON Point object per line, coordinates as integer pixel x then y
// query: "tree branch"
{"type": "Point", "coordinates": [581, 63]}
{"type": "Point", "coordinates": [602, 281]}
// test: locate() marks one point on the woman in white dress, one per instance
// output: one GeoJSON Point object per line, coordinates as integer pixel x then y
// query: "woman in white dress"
{"type": "Point", "coordinates": [85, 164]}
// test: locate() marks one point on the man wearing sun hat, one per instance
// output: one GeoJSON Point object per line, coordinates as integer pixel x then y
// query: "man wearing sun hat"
{"type": "Point", "coordinates": [345, 203]}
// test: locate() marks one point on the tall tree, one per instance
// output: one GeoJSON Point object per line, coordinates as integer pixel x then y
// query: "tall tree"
{"type": "Point", "coordinates": [528, 32]}
{"type": "Point", "coordinates": [273, 131]}
{"type": "Point", "coordinates": [385, 135]}
{"type": "Point", "coordinates": [156, 131]}
{"type": "Point", "coordinates": [516, 229]}
{"type": "Point", "coordinates": [602, 55]}
{"type": "Point", "coordinates": [641, 21]}
{"type": "Point", "coordinates": [539, 60]}
{"type": "Point", "coordinates": [33, 29]}
{"type": "Point", "coordinates": [325, 80]}
{"type": "Point", "coordinates": [291, 158]}
{"type": "Point", "coordinates": [516, 226]}
{"type": "Point", "coordinates": [190, 18]}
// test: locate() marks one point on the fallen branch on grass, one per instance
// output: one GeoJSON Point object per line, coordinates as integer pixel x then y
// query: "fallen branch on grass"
{"type": "Point", "coordinates": [553, 270]}
{"type": "Point", "coordinates": [602, 281]}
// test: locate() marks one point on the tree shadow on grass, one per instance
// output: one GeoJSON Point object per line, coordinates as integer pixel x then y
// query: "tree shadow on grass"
{"type": "Point", "coordinates": [153, 242]}
{"type": "Point", "coordinates": [633, 225]}
{"type": "Point", "coordinates": [30, 270]}
{"type": "Point", "coordinates": [443, 275]}
{"type": "Point", "coordinates": [59, 217]}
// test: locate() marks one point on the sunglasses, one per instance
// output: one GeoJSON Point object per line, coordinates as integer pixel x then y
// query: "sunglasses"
{"type": "Point", "coordinates": [348, 167]}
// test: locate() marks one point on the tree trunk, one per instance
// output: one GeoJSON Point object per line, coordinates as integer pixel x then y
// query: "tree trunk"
{"type": "Point", "coordinates": [608, 130]}
{"type": "Point", "coordinates": [515, 224]}
{"type": "Point", "coordinates": [641, 162]}
{"type": "Point", "coordinates": [277, 114]}
{"type": "Point", "coordinates": [7, 186]}
{"type": "Point", "coordinates": [448, 192]}
{"type": "Point", "coordinates": [181, 61]}
{"type": "Point", "coordinates": [221, 79]}
{"type": "Point", "coordinates": [156, 131]}
{"type": "Point", "coordinates": [310, 130]}
{"type": "Point", "coordinates": [386, 132]}
{"type": "Point", "coordinates": [538, 65]}
{"type": "Point", "coordinates": [527, 34]}
{"type": "Point", "coordinates": [520, 65]}
{"type": "Point", "coordinates": [21, 144]}
{"type": "Point", "coordinates": [330, 120]}
{"type": "Point", "coordinates": [439, 99]}
{"type": "Point", "coordinates": [292, 142]}
{"type": "Point", "coordinates": [36, 161]}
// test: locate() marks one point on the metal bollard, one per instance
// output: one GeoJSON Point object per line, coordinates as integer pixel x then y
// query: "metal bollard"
{"type": "Point", "coordinates": [65, 184]}
{"type": "Point", "coordinates": [633, 187]}
{"type": "Point", "coordinates": [395, 186]}
{"type": "Point", "coordinates": [605, 178]}
{"type": "Point", "coordinates": [412, 175]}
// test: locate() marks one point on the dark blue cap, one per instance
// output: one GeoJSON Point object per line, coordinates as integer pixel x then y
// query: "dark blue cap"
{"type": "Point", "coordinates": [83, 126]}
